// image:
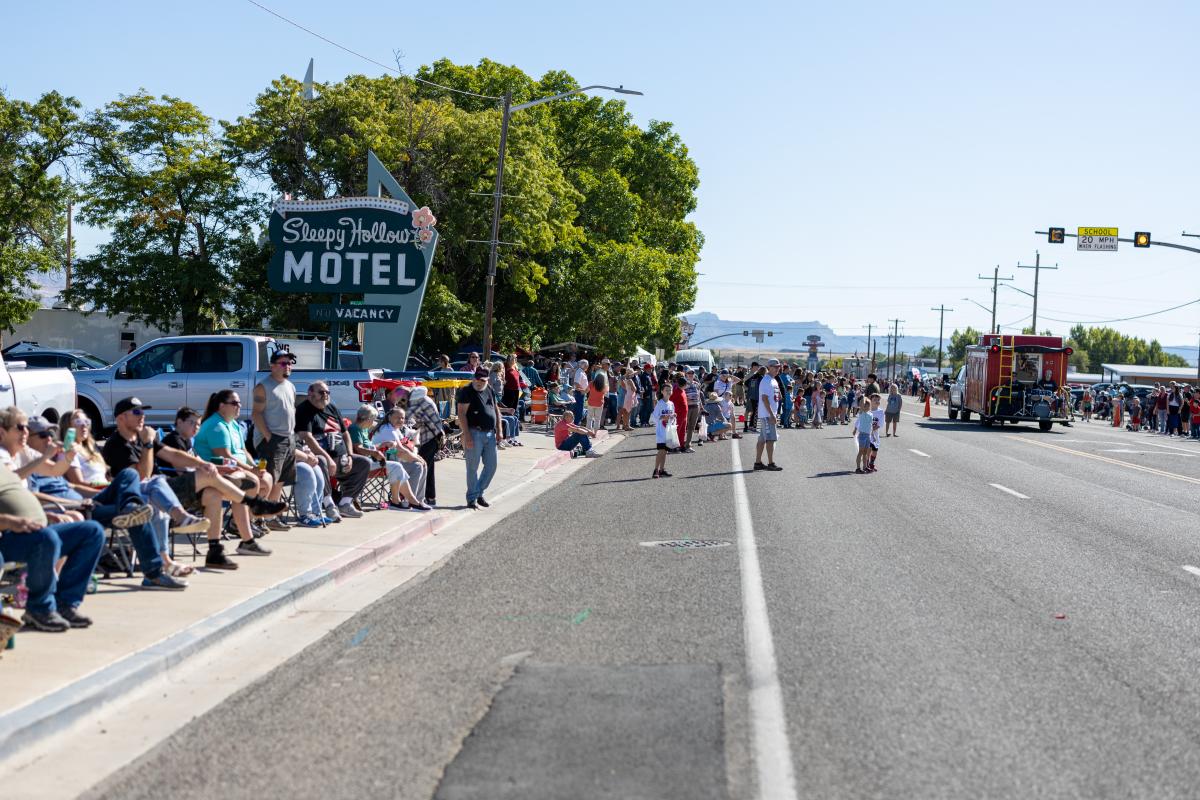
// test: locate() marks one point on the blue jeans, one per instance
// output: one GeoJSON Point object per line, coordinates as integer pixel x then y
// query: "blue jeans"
{"type": "Point", "coordinates": [309, 489]}
{"type": "Point", "coordinates": [785, 413]}
{"type": "Point", "coordinates": [644, 412]}
{"type": "Point", "coordinates": [579, 398]}
{"type": "Point", "coordinates": [80, 542]}
{"type": "Point", "coordinates": [483, 447]}
{"type": "Point", "coordinates": [148, 540]}
{"type": "Point", "coordinates": [576, 440]}
{"type": "Point", "coordinates": [160, 494]}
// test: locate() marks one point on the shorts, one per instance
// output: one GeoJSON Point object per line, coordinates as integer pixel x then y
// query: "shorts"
{"type": "Point", "coordinates": [183, 484]}
{"type": "Point", "coordinates": [864, 439]}
{"type": "Point", "coordinates": [280, 455]}
{"type": "Point", "coordinates": [891, 417]}
{"type": "Point", "coordinates": [663, 446]}
{"type": "Point", "coordinates": [767, 431]}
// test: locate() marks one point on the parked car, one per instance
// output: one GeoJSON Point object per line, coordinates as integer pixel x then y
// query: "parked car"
{"type": "Point", "coordinates": [48, 392]}
{"type": "Point", "coordinates": [37, 357]}
{"type": "Point", "coordinates": [184, 370]}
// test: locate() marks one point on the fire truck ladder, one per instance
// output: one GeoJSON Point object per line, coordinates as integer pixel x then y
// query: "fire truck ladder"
{"type": "Point", "coordinates": [1008, 358]}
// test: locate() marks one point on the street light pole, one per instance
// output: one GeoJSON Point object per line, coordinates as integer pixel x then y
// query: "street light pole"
{"type": "Point", "coordinates": [499, 193]}
{"type": "Point", "coordinates": [895, 348]}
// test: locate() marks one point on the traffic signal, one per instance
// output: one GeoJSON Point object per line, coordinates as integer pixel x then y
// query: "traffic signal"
{"type": "Point", "coordinates": [745, 333]}
{"type": "Point", "coordinates": [1057, 235]}
{"type": "Point", "coordinates": [1141, 239]}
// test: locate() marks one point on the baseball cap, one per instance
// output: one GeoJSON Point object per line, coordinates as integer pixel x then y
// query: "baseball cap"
{"type": "Point", "coordinates": [126, 404]}
{"type": "Point", "coordinates": [39, 424]}
{"type": "Point", "coordinates": [774, 362]}
{"type": "Point", "coordinates": [725, 371]}
{"type": "Point", "coordinates": [481, 372]}
{"type": "Point", "coordinates": [281, 354]}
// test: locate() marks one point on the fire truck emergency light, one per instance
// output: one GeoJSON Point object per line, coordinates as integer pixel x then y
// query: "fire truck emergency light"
{"type": "Point", "coordinates": [995, 348]}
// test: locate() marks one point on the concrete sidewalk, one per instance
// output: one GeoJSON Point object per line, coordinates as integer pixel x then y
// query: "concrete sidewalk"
{"type": "Point", "coordinates": [51, 680]}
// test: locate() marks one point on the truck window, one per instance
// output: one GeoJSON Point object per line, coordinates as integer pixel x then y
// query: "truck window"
{"type": "Point", "coordinates": [213, 357]}
{"type": "Point", "coordinates": [157, 360]}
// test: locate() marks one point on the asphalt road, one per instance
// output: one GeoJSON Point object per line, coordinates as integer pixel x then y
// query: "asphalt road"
{"type": "Point", "coordinates": [995, 613]}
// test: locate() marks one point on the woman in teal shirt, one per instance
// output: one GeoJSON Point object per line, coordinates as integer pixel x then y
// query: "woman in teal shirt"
{"type": "Point", "coordinates": [220, 437]}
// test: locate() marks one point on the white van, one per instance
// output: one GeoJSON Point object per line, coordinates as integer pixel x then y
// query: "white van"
{"type": "Point", "coordinates": [695, 358]}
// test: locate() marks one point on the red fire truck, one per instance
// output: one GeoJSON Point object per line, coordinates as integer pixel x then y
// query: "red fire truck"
{"type": "Point", "coordinates": [1013, 379]}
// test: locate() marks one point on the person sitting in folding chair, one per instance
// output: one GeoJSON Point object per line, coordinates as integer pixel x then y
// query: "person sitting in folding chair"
{"type": "Point", "coordinates": [405, 469]}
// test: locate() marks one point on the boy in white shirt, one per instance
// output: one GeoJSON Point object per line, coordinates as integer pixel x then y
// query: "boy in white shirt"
{"type": "Point", "coordinates": [876, 426]}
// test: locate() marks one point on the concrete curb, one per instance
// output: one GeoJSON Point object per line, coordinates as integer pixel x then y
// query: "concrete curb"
{"type": "Point", "coordinates": [29, 724]}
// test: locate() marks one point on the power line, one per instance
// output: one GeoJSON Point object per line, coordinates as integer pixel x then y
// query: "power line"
{"type": "Point", "coordinates": [367, 58]}
{"type": "Point", "coordinates": [1124, 319]}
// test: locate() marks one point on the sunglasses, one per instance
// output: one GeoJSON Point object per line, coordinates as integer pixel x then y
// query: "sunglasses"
{"type": "Point", "coordinates": [81, 423]}
{"type": "Point", "coordinates": [232, 402]}
{"type": "Point", "coordinates": [322, 392]}
{"type": "Point", "coordinates": [21, 427]}
{"type": "Point", "coordinates": [43, 434]}
{"type": "Point", "coordinates": [137, 412]}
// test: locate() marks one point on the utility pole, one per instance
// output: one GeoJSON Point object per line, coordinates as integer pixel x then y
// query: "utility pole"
{"type": "Point", "coordinates": [895, 348]}
{"type": "Point", "coordinates": [995, 279]}
{"type": "Point", "coordinates": [495, 241]}
{"type": "Point", "coordinates": [941, 321]}
{"type": "Point", "coordinates": [870, 357]}
{"type": "Point", "coordinates": [1037, 271]}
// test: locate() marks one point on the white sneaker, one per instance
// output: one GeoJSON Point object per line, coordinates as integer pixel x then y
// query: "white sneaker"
{"type": "Point", "coordinates": [347, 509]}
{"type": "Point", "coordinates": [592, 454]}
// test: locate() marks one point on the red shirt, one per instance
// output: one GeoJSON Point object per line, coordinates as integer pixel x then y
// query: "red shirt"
{"type": "Point", "coordinates": [1196, 410]}
{"type": "Point", "coordinates": [561, 432]}
{"type": "Point", "coordinates": [512, 381]}
{"type": "Point", "coordinates": [679, 400]}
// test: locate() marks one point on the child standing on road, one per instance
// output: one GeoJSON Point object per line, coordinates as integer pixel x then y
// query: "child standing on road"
{"type": "Point", "coordinates": [862, 435]}
{"type": "Point", "coordinates": [877, 423]}
{"type": "Point", "coordinates": [663, 416]}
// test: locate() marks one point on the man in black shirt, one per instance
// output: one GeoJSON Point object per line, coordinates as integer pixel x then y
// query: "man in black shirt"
{"type": "Point", "coordinates": [319, 424]}
{"type": "Point", "coordinates": [134, 445]}
{"type": "Point", "coordinates": [479, 418]}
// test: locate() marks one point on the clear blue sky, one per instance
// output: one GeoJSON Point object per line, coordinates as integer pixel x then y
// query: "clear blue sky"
{"type": "Point", "coordinates": [858, 162]}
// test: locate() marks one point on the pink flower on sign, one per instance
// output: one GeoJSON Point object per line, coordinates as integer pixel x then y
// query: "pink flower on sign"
{"type": "Point", "coordinates": [425, 235]}
{"type": "Point", "coordinates": [423, 218]}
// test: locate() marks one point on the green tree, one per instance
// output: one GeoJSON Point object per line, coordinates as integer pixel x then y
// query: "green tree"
{"type": "Point", "coordinates": [957, 348]}
{"type": "Point", "coordinates": [928, 351]}
{"type": "Point", "coordinates": [166, 186]}
{"type": "Point", "coordinates": [1104, 345]}
{"type": "Point", "coordinates": [34, 139]}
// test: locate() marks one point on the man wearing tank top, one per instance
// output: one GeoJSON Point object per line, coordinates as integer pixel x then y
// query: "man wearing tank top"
{"type": "Point", "coordinates": [274, 418]}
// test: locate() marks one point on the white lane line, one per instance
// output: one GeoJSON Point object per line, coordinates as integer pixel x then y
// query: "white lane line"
{"type": "Point", "coordinates": [1010, 491]}
{"type": "Point", "coordinates": [918, 452]}
{"type": "Point", "coordinates": [772, 751]}
{"type": "Point", "coordinates": [1191, 569]}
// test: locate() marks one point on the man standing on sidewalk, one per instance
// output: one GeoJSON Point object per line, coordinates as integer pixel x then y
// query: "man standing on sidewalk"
{"type": "Point", "coordinates": [479, 418]}
{"type": "Point", "coordinates": [768, 418]}
{"type": "Point", "coordinates": [274, 418]}
{"type": "Point", "coordinates": [648, 389]}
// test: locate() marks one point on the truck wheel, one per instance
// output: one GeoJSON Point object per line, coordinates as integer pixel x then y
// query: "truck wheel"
{"type": "Point", "coordinates": [964, 415]}
{"type": "Point", "coordinates": [987, 421]}
{"type": "Point", "coordinates": [951, 411]}
{"type": "Point", "coordinates": [1045, 425]}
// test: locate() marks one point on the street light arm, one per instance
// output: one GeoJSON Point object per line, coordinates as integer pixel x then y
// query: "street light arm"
{"type": "Point", "coordinates": [532, 103]}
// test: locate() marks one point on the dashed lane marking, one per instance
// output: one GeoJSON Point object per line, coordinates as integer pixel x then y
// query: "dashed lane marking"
{"type": "Point", "coordinates": [1013, 492]}
{"type": "Point", "coordinates": [1106, 459]}
{"type": "Point", "coordinates": [918, 452]}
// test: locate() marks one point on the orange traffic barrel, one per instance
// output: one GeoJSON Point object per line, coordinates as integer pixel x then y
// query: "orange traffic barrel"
{"type": "Point", "coordinates": [538, 409]}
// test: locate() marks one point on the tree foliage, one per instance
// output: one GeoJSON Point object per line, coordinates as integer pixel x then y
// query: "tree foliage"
{"type": "Point", "coordinates": [34, 139]}
{"type": "Point", "coordinates": [595, 207]}
{"type": "Point", "coordinates": [166, 186]}
{"type": "Point", "coordinates": [956, 350]}
{"type": "Point", "coordinates": [1109, 346]}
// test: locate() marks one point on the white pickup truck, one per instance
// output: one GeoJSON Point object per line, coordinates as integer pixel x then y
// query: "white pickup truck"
{"type": "Point", "coordinates": [48, 392]}
{"type": "Point", "coordinates": [176, 371]}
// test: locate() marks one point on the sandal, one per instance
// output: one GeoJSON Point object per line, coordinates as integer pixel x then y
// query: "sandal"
{"type": "Point", "coordinates": [181, 570]}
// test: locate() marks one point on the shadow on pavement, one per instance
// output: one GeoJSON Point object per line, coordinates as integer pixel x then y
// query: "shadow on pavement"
{"type": "Point", "coordinates": [720, 474]}
{"type": "Point", "coordinates": [978, 427]}
{"type": "Point", "coordinates": [832, 474]}
{"type": "Point", "coordinates": [617, 480]}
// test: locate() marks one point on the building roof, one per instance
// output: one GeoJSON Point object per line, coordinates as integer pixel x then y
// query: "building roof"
{"type": "Point", "coordinates": [1156, 373]}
